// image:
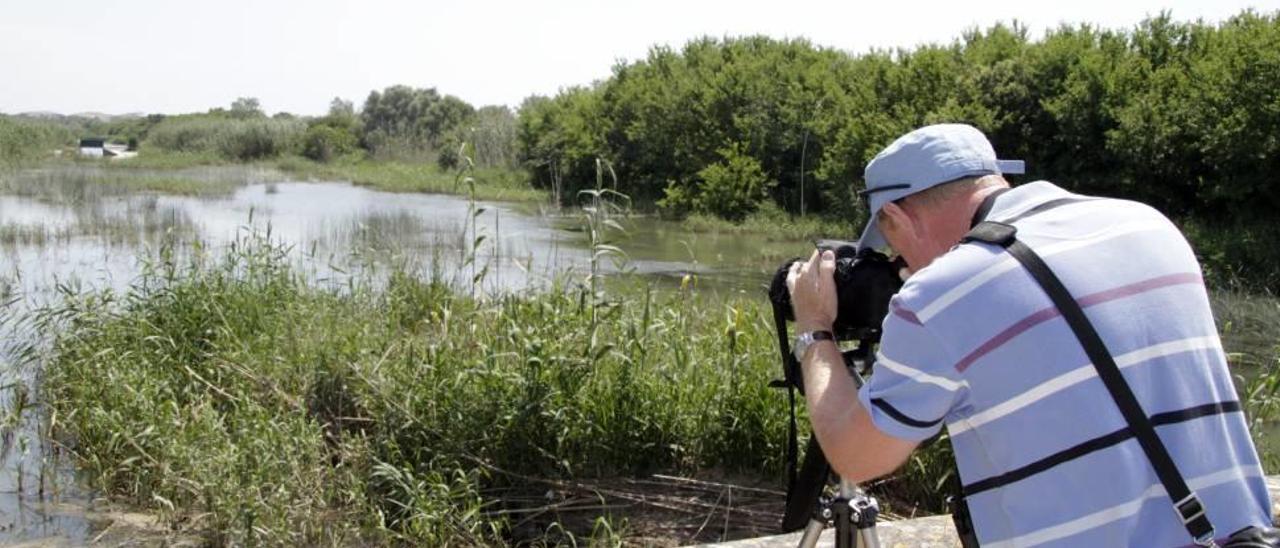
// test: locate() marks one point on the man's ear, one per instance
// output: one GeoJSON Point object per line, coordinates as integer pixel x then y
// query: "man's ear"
{"type": "Point", "coordinates": [900, 219]}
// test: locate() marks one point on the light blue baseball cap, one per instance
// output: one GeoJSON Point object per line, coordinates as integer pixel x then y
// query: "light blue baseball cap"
{"type": "Point", "coordinates": [922, 159]}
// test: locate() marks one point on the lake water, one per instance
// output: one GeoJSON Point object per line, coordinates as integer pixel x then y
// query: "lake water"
{"type": "Point", "coordinates": [85, 227]}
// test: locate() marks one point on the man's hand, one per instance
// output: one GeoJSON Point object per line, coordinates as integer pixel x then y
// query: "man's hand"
{"type": "Point", "coordinates": [813, 291]}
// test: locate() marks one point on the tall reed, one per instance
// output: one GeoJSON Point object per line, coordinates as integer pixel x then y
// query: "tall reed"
{"type": "Point", "coordinates": [233, 396]}
{"type": "Point", "coordinates": [239, 400]}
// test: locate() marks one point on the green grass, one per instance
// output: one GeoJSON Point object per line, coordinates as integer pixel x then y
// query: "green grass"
{"type": "Point", "coordinates": [284, 413]}
{"type": "Point", "coordinates": [159, 159]}
{"type": "Point", "coordinates": [778, 226]}
{"type": "Point", "coordinates": [239, 400]}
{"type": "Point", "coordinates": [491, 184]}
{"type": "Point", "coordinates": [77, 182]}
{"type": "Point", "coordinates": [1247, 320]}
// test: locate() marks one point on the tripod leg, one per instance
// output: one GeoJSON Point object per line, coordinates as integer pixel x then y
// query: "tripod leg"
{"type": "Point", "coordinates": [844, 515]}
{"type": "Point", "coordinates": [860, 516]}
{"type": "Point", "coordinates": [845, 535]}
{"type": "Point", "coordinates": [867, 538]}
{"type": "Point", "coordinates": [811, 533]}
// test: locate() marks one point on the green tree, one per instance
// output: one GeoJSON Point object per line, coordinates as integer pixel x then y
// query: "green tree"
{"type": "Point", "coordinates": [245, 108]}
{"type": "Point", "coordinates": [493, 134]}
{"type": "Point", "coordinates": [402, 120]}
{"type": "Point", "coordinates": [323, 142]}
{"type": "Point", "coordinates": [1181, 115]}
{"type": "Point", "coordinates": [560, 138]}
{"type": "Point", "coordinates": [342, 110]}
{"type": "Point", "coordinates": [733, 187]}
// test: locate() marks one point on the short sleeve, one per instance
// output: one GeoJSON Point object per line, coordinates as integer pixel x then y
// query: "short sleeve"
{"type": "Point", "coordinates": [914, 384]}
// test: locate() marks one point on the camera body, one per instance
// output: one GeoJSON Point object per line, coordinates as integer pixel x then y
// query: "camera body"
{"type": "Point", "coordinates": [865, 280]}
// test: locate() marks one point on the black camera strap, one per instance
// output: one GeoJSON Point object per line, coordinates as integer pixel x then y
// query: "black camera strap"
{"type": "Point", "coordinates": [984, 208]}
{"type": "Point", "coordinates": [792, 382]}
{"type": "Point", "coordinates": [1188, 505]}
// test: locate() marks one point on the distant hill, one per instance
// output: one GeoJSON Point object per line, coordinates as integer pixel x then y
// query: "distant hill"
{"type": "Point", "coordinates": [99, 116]}
{"type": "Point", "coordinates": [40, 115]}
{"type": "Point", "coordinates": [104, 117]}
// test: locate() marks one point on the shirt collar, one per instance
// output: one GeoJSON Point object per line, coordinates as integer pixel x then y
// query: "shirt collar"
{"type": "Point", "coordinates": [1019, 199]}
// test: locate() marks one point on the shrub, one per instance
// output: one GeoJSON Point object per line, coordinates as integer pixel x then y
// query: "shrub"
{"type": "Point", "coordinates": [231, 138]}
{"type": "Point", "coordinates": [733, 187]}
{"type": "Point", "coordinates": [323, 142]}
{"type": "Point", "coordinates": [259, 139]}
{"type": "Point", "coordinates": [22, 140]}
{"type": "Point", "coordinates": [677, 201]}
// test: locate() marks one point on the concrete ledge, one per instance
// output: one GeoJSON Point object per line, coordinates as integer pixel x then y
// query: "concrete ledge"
{"type": "Point", "coordinates": [928, 532]}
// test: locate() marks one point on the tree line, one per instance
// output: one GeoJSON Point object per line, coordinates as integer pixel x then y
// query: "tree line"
{"type": "Point", "coordinates": [1182, 115]}
{"type": "Point", "coordinates": [399, 123]}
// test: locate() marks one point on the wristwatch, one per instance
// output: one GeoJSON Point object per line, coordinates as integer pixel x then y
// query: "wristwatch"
{"type": "Point", "coordinates": [807, 338]}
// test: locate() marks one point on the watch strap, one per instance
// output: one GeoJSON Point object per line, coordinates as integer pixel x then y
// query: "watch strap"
{"type": "Point", "coordinates": [822, 336]}
{"type": "Point", "coordinates": [807, 338]}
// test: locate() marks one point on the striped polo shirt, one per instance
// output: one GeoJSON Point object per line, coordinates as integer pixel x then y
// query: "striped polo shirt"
{"type": "Point", "coordinates": [1044, 454]}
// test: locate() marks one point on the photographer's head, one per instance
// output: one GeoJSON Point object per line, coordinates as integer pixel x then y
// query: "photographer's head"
{"type": "Point", "coordinates": [924, 187]}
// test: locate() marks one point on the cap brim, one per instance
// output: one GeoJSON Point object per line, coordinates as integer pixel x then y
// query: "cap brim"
{"type": "Point", "coordinates": [1012, 167]}
{"type": "Point", "coordinates": [871, 236]}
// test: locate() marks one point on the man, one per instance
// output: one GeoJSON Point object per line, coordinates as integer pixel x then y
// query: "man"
{"type": "Point", "coordinates": [972, 342]}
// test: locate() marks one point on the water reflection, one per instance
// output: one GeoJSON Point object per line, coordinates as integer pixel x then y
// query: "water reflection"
{"type": "Point", "coordinates": [98, 242]}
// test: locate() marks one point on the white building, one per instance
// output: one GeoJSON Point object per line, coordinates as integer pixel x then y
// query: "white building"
{"type": "Point", "coordinates": [93, 147]}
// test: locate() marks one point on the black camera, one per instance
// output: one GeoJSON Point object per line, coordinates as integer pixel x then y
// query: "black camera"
{"type": "Point", "coordinates": [865, 281]}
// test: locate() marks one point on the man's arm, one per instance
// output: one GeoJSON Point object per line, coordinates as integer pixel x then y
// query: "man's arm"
{"type": "Point", "coordinates": [856, 449]}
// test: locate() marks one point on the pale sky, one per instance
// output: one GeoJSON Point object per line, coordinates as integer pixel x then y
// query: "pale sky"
{"type": "Point", "coordinates": [173, 56]}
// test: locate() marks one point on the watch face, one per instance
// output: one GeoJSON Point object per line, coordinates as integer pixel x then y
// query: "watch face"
{"type": "Point", "coordinates": [802, 343]}
{"type": "Point", "coordinates": [804, 340]}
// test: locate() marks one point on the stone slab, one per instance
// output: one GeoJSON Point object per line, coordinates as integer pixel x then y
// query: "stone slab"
{"type": "Point", "coordinates": [927, 532]}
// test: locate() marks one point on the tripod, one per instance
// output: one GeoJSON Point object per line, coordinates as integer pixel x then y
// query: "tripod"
{"type": "Point", "coordinates": [852, 511]}
{"type": "Point", "coordinates": [854, 514]}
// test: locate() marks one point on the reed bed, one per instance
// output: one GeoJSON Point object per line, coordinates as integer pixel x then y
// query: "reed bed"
{"type": "Point", "coordinates": [490, 183]}
{"type": "Point", "coordinates": [13, 234]}
{"type": "Point", "coordinates": [78, 183]}
{"type": "Point", "coordinates": [241, 401]}
{"type": "Point", "coordinates": [778, 226]}
{"type": "Point", "coordinates": [138, 223]}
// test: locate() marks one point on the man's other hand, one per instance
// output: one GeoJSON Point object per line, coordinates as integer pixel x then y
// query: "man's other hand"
{"type": "Point", "coordinates": [813, 291]}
